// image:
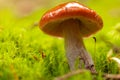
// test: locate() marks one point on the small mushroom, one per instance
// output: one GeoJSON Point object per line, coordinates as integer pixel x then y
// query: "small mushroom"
{"type": "Point", "coordinates": [72, 21]}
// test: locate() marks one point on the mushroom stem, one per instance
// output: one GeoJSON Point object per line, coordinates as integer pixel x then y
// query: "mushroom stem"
{"type": "Point", "coordinates": [74, 45]}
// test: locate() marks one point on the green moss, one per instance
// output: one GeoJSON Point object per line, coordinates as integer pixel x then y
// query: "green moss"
{"type": "Point", "coordinates": [26, 53]}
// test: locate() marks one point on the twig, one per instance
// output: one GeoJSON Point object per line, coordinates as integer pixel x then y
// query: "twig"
{"type": "Point", "coordinates": [66, 76]}
{"type": "Point", "coordinates": [111, 76]}
{"type": "Point", "coordinates": [105, 76]}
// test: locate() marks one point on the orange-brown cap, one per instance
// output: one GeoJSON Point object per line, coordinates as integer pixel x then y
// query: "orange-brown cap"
{"type": "Point", "coordinates": [90, 22]}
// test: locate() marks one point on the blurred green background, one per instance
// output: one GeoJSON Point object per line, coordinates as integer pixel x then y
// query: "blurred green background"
{"type": "Point", "coordinates": [26, 53]}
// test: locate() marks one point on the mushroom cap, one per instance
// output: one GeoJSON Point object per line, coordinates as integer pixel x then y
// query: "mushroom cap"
{"type": "Point", "coordinates": [90, 22]}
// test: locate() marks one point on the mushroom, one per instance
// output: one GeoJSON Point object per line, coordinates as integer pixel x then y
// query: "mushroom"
{"type": "Point", "coordinates": [72, 21]}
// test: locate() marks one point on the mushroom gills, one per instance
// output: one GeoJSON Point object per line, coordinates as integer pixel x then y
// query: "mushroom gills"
{"type": "Point", "coordinates": [87, 26]}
